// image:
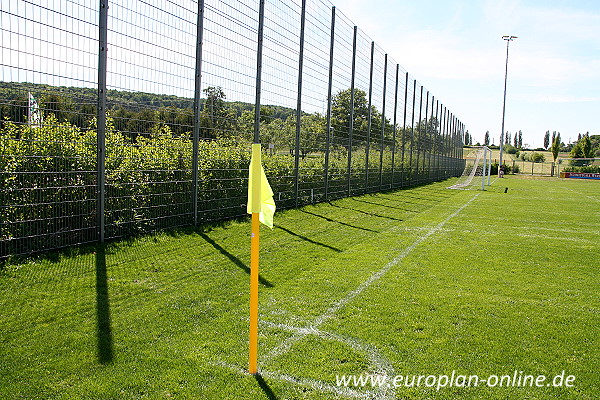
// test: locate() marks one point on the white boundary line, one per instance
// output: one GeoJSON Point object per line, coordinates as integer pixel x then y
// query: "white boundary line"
{"type": "Point", "coordinates": [383, 366]}
{"type": "Point", "coordinates": [581, 194]}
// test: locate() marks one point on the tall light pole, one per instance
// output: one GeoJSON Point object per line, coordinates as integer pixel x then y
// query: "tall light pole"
{"type": "Point", "coordinates": [508, 40]}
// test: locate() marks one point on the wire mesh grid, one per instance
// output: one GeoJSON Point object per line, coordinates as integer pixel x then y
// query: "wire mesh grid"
{"type": "Point", "coordinates": [47, 139]}
{"type": "Point", "coordinates": [158, 135]}
{"type": "Point", "coordinates": [148, 171]}
{"type": "Point", "coordinates": [339, 131]}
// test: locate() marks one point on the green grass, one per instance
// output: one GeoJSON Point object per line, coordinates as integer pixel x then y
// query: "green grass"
{"type": "Point", "coordinates": [509, 283]}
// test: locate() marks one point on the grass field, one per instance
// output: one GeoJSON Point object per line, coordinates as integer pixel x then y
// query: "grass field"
{"type": "Point", "coordinates": [422, 281]}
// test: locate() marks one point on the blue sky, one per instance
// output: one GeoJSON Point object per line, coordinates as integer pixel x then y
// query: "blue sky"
{"type": "Point", "coordinates": [455, 48]}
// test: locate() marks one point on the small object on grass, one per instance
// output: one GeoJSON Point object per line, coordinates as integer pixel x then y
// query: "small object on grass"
{"type": "Point", "coordinates": [505, 190]}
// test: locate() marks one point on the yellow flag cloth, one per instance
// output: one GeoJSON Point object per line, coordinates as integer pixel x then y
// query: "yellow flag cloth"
{"type": "Point", "coordinates": [260, 195]}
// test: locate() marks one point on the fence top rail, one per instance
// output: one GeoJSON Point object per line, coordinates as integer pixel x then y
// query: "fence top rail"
{"type": "Point", "coordinates": [596, 159]}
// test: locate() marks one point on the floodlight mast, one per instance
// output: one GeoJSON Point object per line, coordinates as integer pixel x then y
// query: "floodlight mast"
{"type": "Point", "coordinates": [508, 39]}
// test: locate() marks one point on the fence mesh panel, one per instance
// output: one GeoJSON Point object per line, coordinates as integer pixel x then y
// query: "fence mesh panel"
{"type": "Point", "coordinates": [47, 133]}
{"type": "Point", "coordinates": [152, 129]}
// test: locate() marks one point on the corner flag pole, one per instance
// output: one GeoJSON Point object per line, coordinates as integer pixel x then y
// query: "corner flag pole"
{"type": "Point", "coordinates": [254, 252]}
{"type": "Point", "coordinates": [256, 198]}
{"type": "Point", "coordinates": [262, 207]}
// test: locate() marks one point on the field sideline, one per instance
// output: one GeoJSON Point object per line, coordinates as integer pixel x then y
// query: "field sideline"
{"type": "Point", "coordinates": [422, 281]}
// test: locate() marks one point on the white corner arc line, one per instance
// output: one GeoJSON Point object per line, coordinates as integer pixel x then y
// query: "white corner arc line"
{"type": "Point", "coordinates": [377, 360]}
{"type": "Point", "coordinates": [317, 385]}
{"type": "Point", "coordinates": [381, 366]}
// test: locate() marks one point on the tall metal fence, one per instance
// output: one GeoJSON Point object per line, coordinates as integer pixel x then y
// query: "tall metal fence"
{"type": "Point", "coordinates": [127, 116]}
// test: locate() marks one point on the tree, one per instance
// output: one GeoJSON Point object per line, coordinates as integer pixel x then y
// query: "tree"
{"type": "Point", "coordinates": [555, 149]}
{"type": "Point", "coordinates": [516, 140]}
{"type": "Point", "coordinates": [340, 121]}
{"type": "Point", "coordinates": [595, 139]}
{"type": "Point", "coordinates": [486, 140]}
{"type": "Point", "coordinates": [509, 149]}
{"type": "Point", "coordinates": [180, 121]}
{"type": "Point", "coordinates": [141, 123]}
{"type": "Point", "coordinates": [60, 106]}
{"type": "Point", "coordinates": [577, 151]}
{"type": "Point", "coordinates": [583, 148]}
{"type": "Point", "coordinates": [312, 133]}
{"type": "Point", "coordinates": [215, 118]}
{"type": "Point", "coordinates": [435, 139]}
{"type": "Point", "coordinates": [507, 138]}
{"type": "Point", "coordinates": [555, 135]}
{"type": "Point", "coordinates": [520, 140]}
{"type": "Point", "coordinates": [537, 157]}
{"type": "Point", "coordinates": [547, 140]}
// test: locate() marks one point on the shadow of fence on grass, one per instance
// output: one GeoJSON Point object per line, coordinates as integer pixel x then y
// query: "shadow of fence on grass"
{"type": "Point", "coordinates": [381, 204]}
{"type": "Point", "coordinates": [104, 332]}
{"type": "Point", "coordinates": [233, 258]}
{"type": "Point", "coordinates": [337, 222]}
{"type": "Point", "coordinates": [308, 239]}
{"type": "Point", "coordinates": [365, 212]}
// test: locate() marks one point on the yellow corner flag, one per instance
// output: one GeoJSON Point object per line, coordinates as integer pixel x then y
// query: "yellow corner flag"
{"type": "Point", "coordinates": [260, 195]}
{"type": "Point", "coordinates": [262, 207]}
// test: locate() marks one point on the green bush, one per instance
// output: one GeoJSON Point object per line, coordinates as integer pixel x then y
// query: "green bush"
{"type": "Point", "coordinates": [48, 181]}
{"type": "Point", "coordinates": [508, 169]}
{"type": "Point", "coordinates": [537, 157]}
{"type": "Point", "coordinates": [593, 169]}
{"type": "Point", "coordinates": [532, 156]}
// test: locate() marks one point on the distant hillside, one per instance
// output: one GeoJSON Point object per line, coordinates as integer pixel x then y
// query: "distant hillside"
{"type": "Point", "coordinates": [77, 105]}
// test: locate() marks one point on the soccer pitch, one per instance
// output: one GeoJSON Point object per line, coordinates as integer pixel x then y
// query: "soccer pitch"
{"type": "Point", "coordinates": [416, 284]}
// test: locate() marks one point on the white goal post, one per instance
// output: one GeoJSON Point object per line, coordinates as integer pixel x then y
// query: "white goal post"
{"type": "Point", "coordinates": [478, 165]}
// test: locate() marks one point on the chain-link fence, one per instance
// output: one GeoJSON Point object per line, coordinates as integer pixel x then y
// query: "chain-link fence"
{"type": "Point", "coordinates": [124, 117]}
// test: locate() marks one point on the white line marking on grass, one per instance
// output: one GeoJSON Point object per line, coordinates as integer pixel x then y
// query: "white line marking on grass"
{"type": "Point", "coordinates": [335, 307]}
{"type": "Point", "coordinates": [312, 383]}
{"type": "Point", "coordinates": [581, 194]}
{"type": "Point", "coordinates": [382, 366]}
{"type": "Point", "coordinates": [378, 363]}
{"type": "Point", "coordinates": [557, 238]}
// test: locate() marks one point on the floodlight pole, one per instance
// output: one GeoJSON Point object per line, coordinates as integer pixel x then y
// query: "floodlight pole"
{"type": "Point", "coordinates": [508, 40]}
